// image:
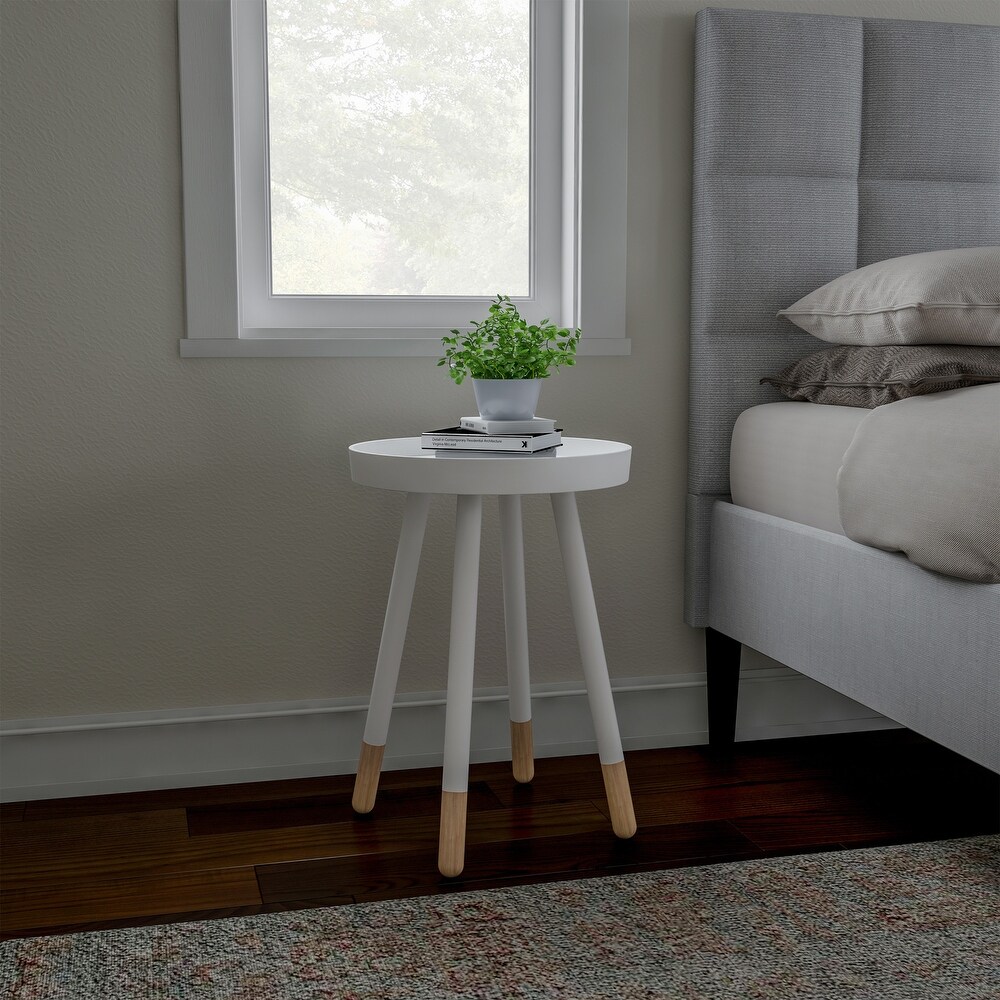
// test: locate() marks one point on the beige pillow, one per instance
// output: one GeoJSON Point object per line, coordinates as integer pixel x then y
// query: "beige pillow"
{"type": "Point", "coordinates": [943, 297]}
{"type": "Point", "coordinates": [873, 376]}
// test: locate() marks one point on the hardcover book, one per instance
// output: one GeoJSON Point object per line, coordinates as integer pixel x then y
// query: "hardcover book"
{"type": "Point", "coordinates": [536, 425]}
{"type": "Point", "coordinates": [459, 439]}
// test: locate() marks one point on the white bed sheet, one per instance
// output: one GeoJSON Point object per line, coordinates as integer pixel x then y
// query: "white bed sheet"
{"type": "Point", "coordinates": [784, 460]}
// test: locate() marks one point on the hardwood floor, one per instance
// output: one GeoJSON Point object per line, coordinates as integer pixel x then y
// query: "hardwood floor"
{"type": "Point", "coordinates": [154, 857]}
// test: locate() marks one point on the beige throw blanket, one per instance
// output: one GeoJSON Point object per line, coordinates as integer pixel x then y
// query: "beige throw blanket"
{"type": "Point", "coordinates": [922, 476]}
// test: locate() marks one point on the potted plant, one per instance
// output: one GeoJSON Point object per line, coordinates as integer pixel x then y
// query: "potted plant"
{"type": "Point", "coordinates": [507, 359]}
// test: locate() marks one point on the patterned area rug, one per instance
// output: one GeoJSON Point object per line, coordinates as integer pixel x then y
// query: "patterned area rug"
{"type": "Point", "coordinates": [915, 923]}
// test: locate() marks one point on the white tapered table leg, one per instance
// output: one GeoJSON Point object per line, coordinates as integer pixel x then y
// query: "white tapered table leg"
{"type": "Point", "coordinates": [390, 652]}
{"type": "Point", "coordinates": [516, 627]}
{"type": "Point", "coordinates": [595, 665]}
{"type": "Point", "coordinates": [461, 659]}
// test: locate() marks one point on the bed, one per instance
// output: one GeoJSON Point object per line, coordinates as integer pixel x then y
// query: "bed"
{"type": "Point", "coordinates": [823, 144]}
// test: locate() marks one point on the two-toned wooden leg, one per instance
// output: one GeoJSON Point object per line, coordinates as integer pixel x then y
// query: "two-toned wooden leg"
{"type": "Point", "coordinates": [595, 665]}
{"type": "Point", "coordinates": [461, 660]}
{"type": "Point", "coordinates": [516, 627]}
{"type": "Point", "coordinates": [390, 652]}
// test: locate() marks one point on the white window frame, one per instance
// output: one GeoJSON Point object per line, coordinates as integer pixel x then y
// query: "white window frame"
{"type": "Point", "coordinates": [578, 239]}
{"type": "Point", "coordinates": [266, 315]}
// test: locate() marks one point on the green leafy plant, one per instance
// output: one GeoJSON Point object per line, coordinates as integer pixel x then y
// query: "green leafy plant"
{"type": "Point", "coordinates": [504, 346]}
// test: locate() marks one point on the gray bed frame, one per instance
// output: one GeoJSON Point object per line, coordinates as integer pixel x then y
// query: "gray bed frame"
{"type": "Point", "coordinates": [822, 144]}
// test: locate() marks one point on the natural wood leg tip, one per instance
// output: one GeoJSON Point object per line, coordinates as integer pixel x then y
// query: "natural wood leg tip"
{"type": "Point", "coordinates": [366, 783]}
{"type": "Point", "coordinates": [619, 800]}
{"type": "Point", "coordinates": [522, 752]}
{"type": "Point", "coordinates": [451, 845]}
{"type": "Point", "coordinates": [624, 829]}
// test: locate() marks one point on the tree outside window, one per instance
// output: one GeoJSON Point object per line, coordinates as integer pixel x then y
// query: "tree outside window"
{"type": "Point", "coordinates": [399, 146]}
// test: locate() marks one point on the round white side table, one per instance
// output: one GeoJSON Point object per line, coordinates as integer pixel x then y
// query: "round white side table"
{"type": "Point", "coordinates": [401, 464]}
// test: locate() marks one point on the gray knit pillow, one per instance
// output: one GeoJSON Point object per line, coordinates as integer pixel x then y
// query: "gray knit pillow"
{"type": "Point", "coordinates": [872, 376]}
{"type": "Point", "coordinates": [943, 297]}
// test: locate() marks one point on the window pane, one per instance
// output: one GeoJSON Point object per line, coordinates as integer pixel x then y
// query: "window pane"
{"type": "Point", "coordinates": [399, 146]}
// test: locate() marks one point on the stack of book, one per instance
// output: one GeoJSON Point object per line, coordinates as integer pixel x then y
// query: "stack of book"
{"type": "Point", "coordinates": [476, 435]}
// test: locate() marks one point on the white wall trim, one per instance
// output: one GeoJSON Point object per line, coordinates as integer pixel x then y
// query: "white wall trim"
{"type": "Point", "coordinates": [134, 751]}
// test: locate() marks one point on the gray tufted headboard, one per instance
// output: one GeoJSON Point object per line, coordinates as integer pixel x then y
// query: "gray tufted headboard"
{"type": "Point", "coordinates": [821, 144]}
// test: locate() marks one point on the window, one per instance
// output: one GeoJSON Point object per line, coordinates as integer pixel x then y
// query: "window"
{"type": "Point", "coordinates": [390, 173]}
{"type": "Point", "coordinates": [362, 175]}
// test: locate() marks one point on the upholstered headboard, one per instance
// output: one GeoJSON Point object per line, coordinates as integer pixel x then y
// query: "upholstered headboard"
{"type": "Point", "coordinates": [820, 144]}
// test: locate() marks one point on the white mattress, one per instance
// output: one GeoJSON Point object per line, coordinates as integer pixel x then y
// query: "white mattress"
{"type": "Point", "coordinates": [784, 460]}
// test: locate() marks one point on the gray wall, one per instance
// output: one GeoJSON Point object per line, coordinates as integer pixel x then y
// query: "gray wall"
{"type": "Point", "coordinates": [185, 533]}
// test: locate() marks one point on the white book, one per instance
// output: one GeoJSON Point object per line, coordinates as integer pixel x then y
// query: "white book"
{"type": "Point", "coordinates": [457, 439]}
{"type": "Point", "coordinates": [537, 425]}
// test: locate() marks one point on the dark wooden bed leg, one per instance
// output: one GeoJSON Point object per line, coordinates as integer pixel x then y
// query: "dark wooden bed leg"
{"type": "Point", "coordinates": [722, 665]}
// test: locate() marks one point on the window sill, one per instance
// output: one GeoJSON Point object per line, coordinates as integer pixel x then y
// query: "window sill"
{"type": "Point", "coordinates": [359, 347]}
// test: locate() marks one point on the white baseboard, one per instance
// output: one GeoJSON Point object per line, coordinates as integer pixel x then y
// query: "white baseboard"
{"type": "Point", "coordinates": [54, 758]}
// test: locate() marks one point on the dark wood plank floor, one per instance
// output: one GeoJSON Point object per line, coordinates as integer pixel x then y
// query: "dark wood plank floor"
{"type": "Point", "coordinates": [152, 857]}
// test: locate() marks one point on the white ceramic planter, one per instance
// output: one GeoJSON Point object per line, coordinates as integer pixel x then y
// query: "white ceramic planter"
{"type": "Point", "coordinates": [507, 398]}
